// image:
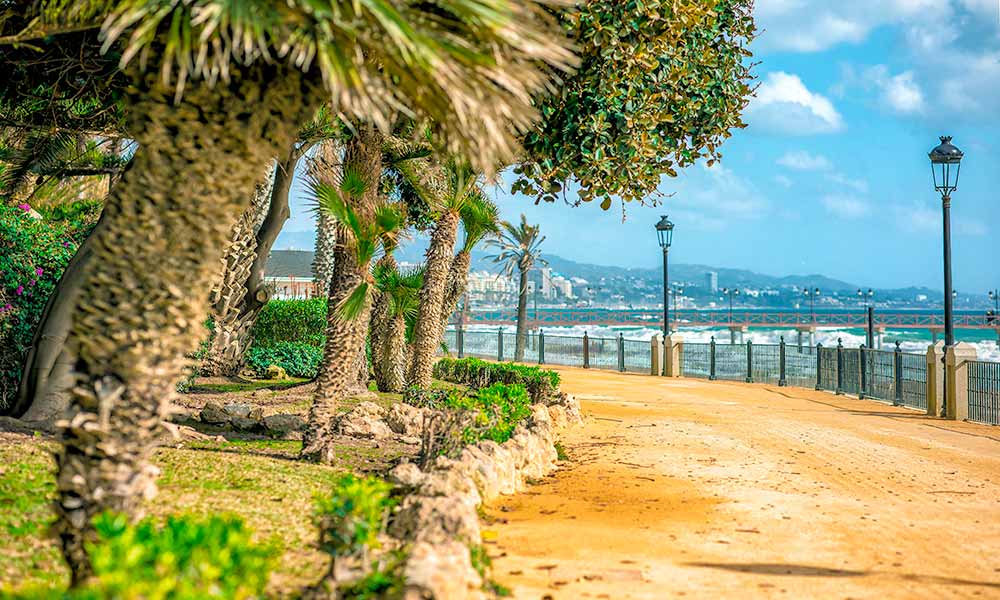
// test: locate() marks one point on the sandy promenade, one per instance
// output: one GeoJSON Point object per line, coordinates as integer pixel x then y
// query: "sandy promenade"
{"type": "Point", "coordinates": [682, 488]}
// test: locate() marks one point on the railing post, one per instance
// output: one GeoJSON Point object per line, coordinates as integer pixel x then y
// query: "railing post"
{"type": "Point", "coordinates": [541, 346]}
{"type": "Point", "coordinates": [840, 367]}
{"type": "Point", "coordinates": [749, 361]}
{"type": "Point", "coordinates": [819, 366]}
{"type": "Point", "coordinates": [782, 381]}
{"type": "Point", "coordinates": [500, 345]}
{"type": "Point", "coordinates": [956, 368]}
{"type": "Point", "coordinates": [864, 373]}
{"type": "Point", "coordinates": [711, 360]}
{"type": "Point", "coordinates": [586, 351]}
{"type": "Point", "coordinates": [621, 352]}
{"type": "Point", "coordinates": [897, 365]}
{"type": "Point", "coordinates": [460, 340]}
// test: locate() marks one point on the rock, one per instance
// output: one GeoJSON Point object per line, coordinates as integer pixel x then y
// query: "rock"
{"type": "Point", "coordinates": [442, 571]}
{"type": "Point", "coordinates": [283, 424]}
{"type": "Point", "coordinates": [244, 423]}
{"type": "Point", "coordinates": [405, 419]}
{"type": "Point", "coordinates": [406, 474]}
{"type": "Point", "coordinates": [276, 372]}
{"type": "Point", "coordinates": [367, 420]}
{"type": "Point", "coordinates": [214, 414]}
{"type": "Point", "coordinates": [237, 409]}
{"type": "Point", "coordinates": [256, 413]}
{"type": "Point", "coordinates": [435, 519]}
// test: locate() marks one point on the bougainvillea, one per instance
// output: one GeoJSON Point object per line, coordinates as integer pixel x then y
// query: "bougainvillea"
{"type": "Point", "coordinates": [661, 85]}
{"type": "Point", "coordinates": [33, 254]}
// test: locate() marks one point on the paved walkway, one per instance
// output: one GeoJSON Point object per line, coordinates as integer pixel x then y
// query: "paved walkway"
{"type": "Point", "coordinates": [684, 488]}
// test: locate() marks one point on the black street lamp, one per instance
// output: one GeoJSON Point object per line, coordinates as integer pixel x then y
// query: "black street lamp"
{"type": "Point", "coordinates": [665, 234]}
{"type": "Point", "coordinates": [866, 300]}
{"type": "Point", "coordinates": [995, 297]}
{"type": "Point", "coordinates": [946, 165]}
{"type": "Point", "coordinates": [812, 295]}
{"type": "Point", "coordinates": [731, 293]}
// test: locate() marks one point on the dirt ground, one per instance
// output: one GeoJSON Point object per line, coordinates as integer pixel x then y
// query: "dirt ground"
{"type": "Point", "coordinates": [683, 488]}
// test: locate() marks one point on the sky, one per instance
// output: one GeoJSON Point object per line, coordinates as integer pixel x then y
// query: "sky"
{"type": "Point", "coordinates": [831, 176]}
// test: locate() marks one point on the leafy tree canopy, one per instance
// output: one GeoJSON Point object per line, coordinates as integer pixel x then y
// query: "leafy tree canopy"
{"type": "Point", "coordinates": [661, 85]}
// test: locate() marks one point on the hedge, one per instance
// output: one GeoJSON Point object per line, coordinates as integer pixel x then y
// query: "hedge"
{"type": "Point", "coordinates": [540, 384]}
{"type": "Point", "coordinates": [296, 358]}
{"type": "Point", "coordinates": [300, 321]}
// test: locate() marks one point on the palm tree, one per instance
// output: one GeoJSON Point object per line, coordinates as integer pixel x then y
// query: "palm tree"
{"type": "Point", "coordinates": [218, 89]}
{"type": "Point", "coordinates": [447, 189]}
{"type": "Point", "coordinates": [360, 232]}
{"type": "Point", "coordinates": [480, 218]}
{"type": "Point", "coordinates": [518, 250]}
{"type": "Point", "coordinates": [397, 313]}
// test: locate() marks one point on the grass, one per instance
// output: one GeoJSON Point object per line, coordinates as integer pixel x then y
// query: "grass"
{"type": "Point", "coordinates": [260, 481]}
{"type": "Point", "coordinates": [561, 451]}
{"type": "Point", "coordinates": [249, 386]}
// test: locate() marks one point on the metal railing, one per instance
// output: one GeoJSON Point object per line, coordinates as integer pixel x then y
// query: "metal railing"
{"type": "Point", "coordinates": [891, 376]}
{"type": "Point", "coordinates": [984, 392]}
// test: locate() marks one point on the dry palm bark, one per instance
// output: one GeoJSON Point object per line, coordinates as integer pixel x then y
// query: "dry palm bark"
{"type": "Point", "coordinates": [428, 331]}
{"type": "Point", "coordinates": [322, 165]}
{"type": "Point", "coordinates": [232, 325]}
{"type": "Point", "coordinates": [338, 376]}
{"type": "Point", "coordinates": [141, 310]}
{"type": "Point", "coordinates": [383, 366]}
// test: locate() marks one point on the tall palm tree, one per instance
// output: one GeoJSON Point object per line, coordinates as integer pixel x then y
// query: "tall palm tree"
{"type": "Point", "coordinates": [447, 189]}
{"type": "Point", "coordinates": [360, 233]}
{"type": "Point", "coordinates": [480, 218]}
{"type": "Point", "coordinates": [219, 88]}
{"type": "Point", "coordinates": [397, 313]}
{"type": "Point", "coordinates": [518, 249]}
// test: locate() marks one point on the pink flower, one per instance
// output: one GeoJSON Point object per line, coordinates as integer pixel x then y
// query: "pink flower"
{"type": "Point", "coordinates": [5, 308]}
{"type": "Point", "coordinates": [32, 283]}
{"type": "Point", "coordinates": [39, 271]}
{"type": "Point", "coordinates": [25, 207]}
{"type": "Point", "coordinates": [66, 244]}
{"type": "Point", "coordinates": [19, 290]}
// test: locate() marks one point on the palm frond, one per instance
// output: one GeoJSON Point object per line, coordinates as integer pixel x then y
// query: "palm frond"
{"type": "Point", "coordinates": [480, 218]}
{"type": "Point", "coordinates": [351, 307]}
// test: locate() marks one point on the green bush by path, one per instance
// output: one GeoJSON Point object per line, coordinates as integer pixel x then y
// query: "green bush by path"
{"type": "Point", "coordinates": [298, 359]}
{"type": "Point", "coordinates": [186, 558]}
{"type": "Point", "coordinates": [496, 410]}
{"type": "Point", "coordinates": [33, 255]}
{"type": "Point", "coordinates": [300, 321]}
{"type": "Point", "coordinates": [540, 384]}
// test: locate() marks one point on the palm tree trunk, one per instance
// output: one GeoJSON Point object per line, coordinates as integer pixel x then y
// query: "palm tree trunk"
{"type": "Point", "coordinates": [143, 299]}
{"type": "Point", "coordinates": [232, 333]}
{"type": "Point", "coordinates": [338, 373]}
{"type": "Point", "coordinates": [378, 330]}
{"type": "Point", "coordinates": [458, 277]}
{"type": "Point", "coordinates": [428, 332]}
{"type": "Point", "coordinates": [392, 360]}
{"type": "Point", "coordinates": [323, 166]}
{"type": "Point", "coordinates": [522, 316]}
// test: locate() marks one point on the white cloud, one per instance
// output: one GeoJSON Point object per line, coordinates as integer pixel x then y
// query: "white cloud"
{"type": "Point", "coordinates": [925, 218]}
{"type": "Point", "coordinates": [713, 198]}
{"type": "Point", "coordinates": [899, 93]}
{"type": "Point", "coordinates": [846, 207]}
{"type": "Point", "coordinates": [859, 185]}
{"type": "Point", "coordinates": [801, 160]}
{"type": "Point", "coordinates": [783, 104]}
{"type": "Point", "coordinates": [783, 181]}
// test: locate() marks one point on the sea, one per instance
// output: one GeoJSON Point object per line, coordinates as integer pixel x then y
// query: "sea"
{"type": "Point", "coordinates": [910, 340]}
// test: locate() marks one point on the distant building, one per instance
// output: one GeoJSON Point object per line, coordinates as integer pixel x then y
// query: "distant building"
{"type": "Point", "coordinates": [712, 281]}
{"type": "Point", "coordinates": [288, 273]}
{"type": "Point", "coordinates": [548, 291]}
{"type": "Point", "coordinates": [563, 287]}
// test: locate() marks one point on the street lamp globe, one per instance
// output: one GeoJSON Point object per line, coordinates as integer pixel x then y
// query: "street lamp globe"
{"type": "Point", "coordinates": [665, 231]}
{"type": "Point", "coordinates": [946, 164]}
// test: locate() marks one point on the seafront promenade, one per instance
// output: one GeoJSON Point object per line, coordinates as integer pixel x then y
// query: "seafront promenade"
{"type": "Point", "coordinates": [687, 488]}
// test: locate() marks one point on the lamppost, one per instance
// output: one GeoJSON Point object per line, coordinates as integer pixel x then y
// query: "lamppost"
{"type": "Point", "coordinates": [665, 233]}
{"type": "Point", "coordinates": [866, 300]}
{"type": "Point", "coordinates": [812, 295]}
{"type": "Point", "coordinates": [995, 297]}
{"type": "Point", "coordinates": [946, 166]}
{"type": "Point", "coordinates": [731, 293]}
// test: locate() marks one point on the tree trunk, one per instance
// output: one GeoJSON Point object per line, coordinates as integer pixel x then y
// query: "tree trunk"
{"type": "Point", "coordinates": [232, 332]}
{"type": "Point", "coordinates": [522, 316]}
{"type": "Point", "coordinates": [47, 375]}
{"type": "Point", "coordinates": [144, 297]}
{"type": "Point", "coordinates": [428, 332]}
{"type": "Point", "coordinates": [339, 373]}
{"type": "Point", "coordinates": [324, 166]}
{"type": "Point", "coordinates": [387, 336]}
{"type": "Point", "coordinates": [458, 277]}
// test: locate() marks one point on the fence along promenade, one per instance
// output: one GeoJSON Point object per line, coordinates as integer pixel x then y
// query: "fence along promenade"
{"type": "Point", "coordinates": [916, 381]}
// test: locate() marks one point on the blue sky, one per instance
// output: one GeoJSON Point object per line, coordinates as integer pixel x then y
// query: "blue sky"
{"type": "Point", "coordinates": [831, 176]}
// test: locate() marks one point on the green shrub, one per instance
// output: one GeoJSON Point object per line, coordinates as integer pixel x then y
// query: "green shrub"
{"type": "Point", "coordinates": [351, 516]}
{"type": "Point", "coordinates": [496, 410]}
{"type": "Point", "coordinates": [185, 559]}
{"type": "Point", "coordinates": [33, 255]}
{"type": "Point", "coordinates": [384, 580]}
{"type": "Point", "coordinates": [296, 358]}
{"type": "Point", "coordinates": [302, 321]}
{"type": "Point", "coordinates": [541, 384]}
